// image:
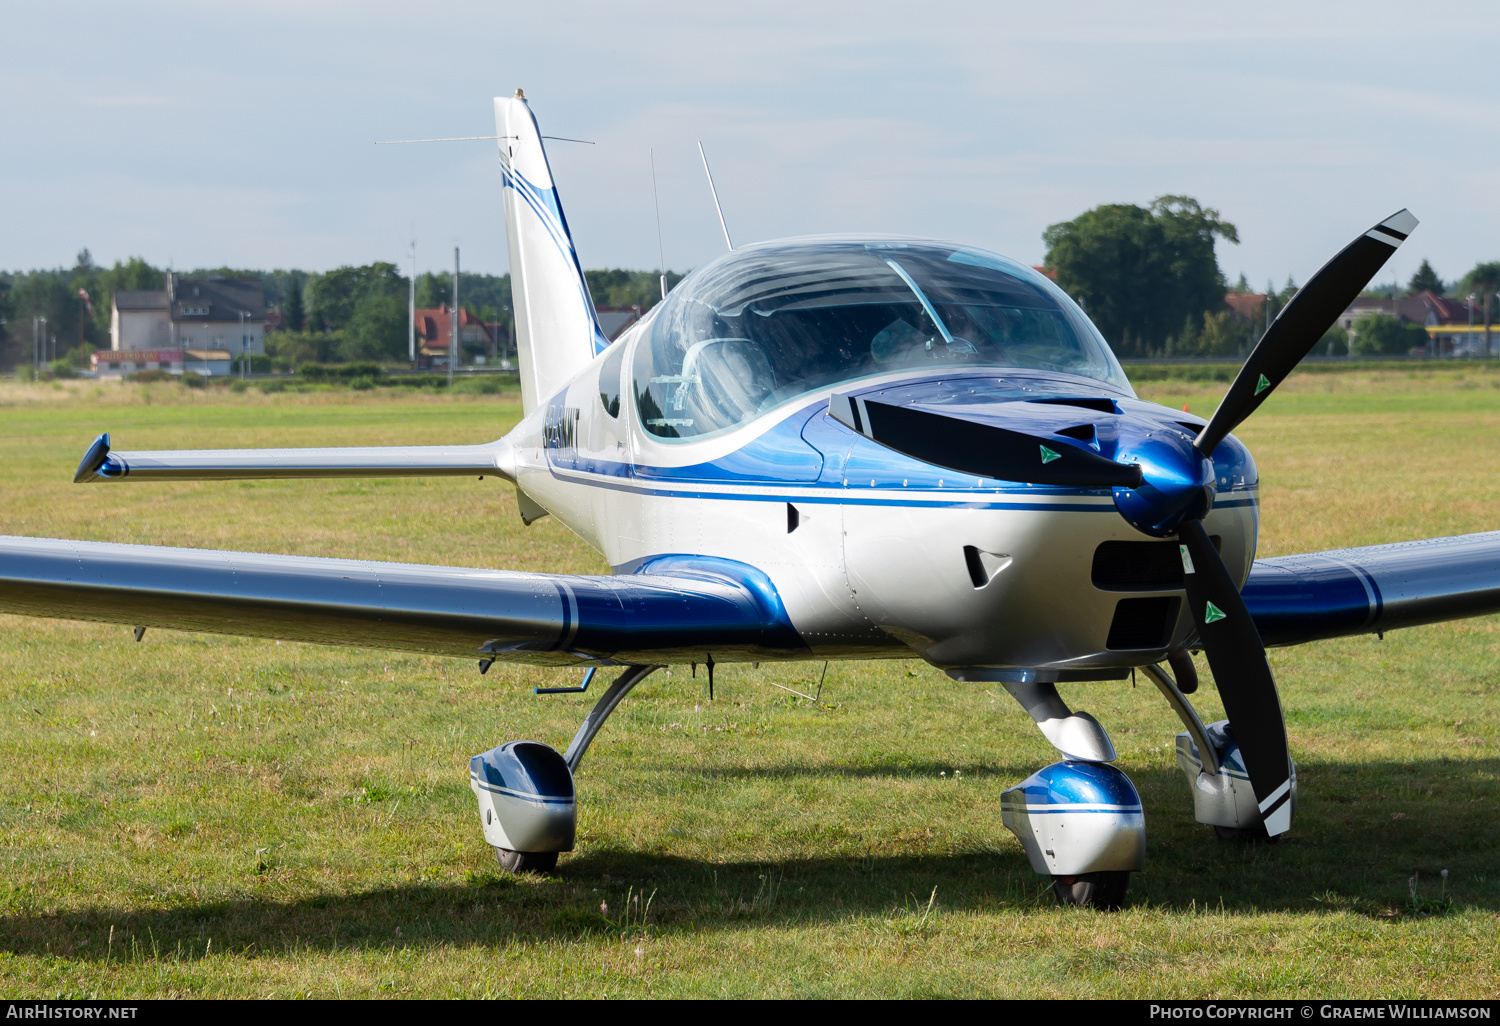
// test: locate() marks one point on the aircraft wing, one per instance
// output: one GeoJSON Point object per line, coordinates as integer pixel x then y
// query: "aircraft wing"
{"type": "Point", "coordinates": [676, 609]}
{"type": "Point", "coordinates": [100, 463]}
{"type": "Point", "coordinates": [1295, 599]}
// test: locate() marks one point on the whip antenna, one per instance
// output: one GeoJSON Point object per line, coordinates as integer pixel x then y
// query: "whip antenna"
{"type": "Point", "coordinates": [655, 198]}
{"type": "Point", "coordinates": [715, 192]}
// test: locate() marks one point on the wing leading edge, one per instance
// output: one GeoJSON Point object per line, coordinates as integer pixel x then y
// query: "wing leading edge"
{"type": "Point", "coordinates": [676, 609]}
{"type": "Point", "coordinates": [1316, 595]}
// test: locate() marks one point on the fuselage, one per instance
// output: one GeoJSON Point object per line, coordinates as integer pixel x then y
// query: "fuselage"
{"type": "Point", "coordinates": [874, 553]}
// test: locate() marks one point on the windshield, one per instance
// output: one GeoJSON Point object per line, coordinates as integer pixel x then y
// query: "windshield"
{"type": "Point", "coordinates": [761, 326]}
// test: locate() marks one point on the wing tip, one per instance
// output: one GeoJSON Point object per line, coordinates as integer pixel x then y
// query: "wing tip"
{"type": "Point", "coordinates": [94, 458]}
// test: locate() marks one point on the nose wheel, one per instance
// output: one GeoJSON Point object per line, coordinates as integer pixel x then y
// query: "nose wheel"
{"type": "Point", "coordinates": [1104, 890]}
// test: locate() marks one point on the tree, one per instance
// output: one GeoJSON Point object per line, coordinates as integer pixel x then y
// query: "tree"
{"type": "Point", "coordinates": [332, 297]}
{"type": "Point", "coordinates": [292, 314]}
{"type": "Point", "coordinates": [1376, 333]}
{"type": "Point", "coordinates": [1142, 273]}
{"type": "Point", "coordinates": [1425, 280]}
{"type": "Point", "coordinates": [376, 331]}
{"type": "Point", "coordinates": [1485, 278]}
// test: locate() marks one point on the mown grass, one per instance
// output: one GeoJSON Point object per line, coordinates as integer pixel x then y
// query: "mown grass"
{"type": "Point", "coordinates": [197, 815]}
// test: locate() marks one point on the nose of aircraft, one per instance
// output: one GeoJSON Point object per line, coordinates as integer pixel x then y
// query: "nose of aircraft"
{"type": "Point", "coordinates": [1178, 485]}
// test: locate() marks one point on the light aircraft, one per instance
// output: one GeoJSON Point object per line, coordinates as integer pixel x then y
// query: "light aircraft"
{"type": "Point", "coordinates": [827, 448]}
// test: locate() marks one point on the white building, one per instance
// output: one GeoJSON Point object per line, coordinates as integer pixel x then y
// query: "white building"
{"type": "Point", "coordinates": [193, 324]}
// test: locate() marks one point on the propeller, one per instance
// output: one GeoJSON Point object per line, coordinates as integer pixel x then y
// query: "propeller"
{"type": "Point", "coordinates": [980, 449]}
{"type": "Point", "coordinates": [1170, 490]}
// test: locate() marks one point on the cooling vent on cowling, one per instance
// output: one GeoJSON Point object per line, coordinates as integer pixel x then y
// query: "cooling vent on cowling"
{"type": "Point", "coordinates": [1143, 622]}
{"type": "Point", "coordinates": [1083, 432]}
{"type": "Point", "coordinates": [1082, 401]}
{"type": "Point", "coordinates": [1140, 565]}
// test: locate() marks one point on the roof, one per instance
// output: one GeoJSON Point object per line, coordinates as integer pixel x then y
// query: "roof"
{"type": "Point", "coordinates": [613, 320]}
{"type": "Point", "coordinates": [216, 299]}
{"type": "Point", "coordinates": [435, 323]}
{"type": "Point", "coordinates": [1250, 305]}
{"type": "Point", "coordinates": [152, 299]}
{"type": "Point", "coordinates": [1424, 308]}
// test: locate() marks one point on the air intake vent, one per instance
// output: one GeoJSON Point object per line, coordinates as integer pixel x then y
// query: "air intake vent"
{"type": "Point", "coordinates": [1086, 402]}
{"type": "Point", "coordinates": [1140, 566]}
{"type": "Point", "coordinates": [1143, 622]}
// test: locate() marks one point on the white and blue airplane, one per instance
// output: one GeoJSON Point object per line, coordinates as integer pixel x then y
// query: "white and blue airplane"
{"type": "Point", "coordinates": [853, 447]}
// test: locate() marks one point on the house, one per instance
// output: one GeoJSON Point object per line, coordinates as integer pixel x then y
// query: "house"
{"type": "Point", "coordinates": [614, 321]}
{"type": "Point", "coordinates": [479, 339]}
{"type": "Point", "coordinates": [1426, 308]}
{"type": "Point", "coordinates": [1249, 306]}
{"type": "Point", "coordinates": [197, 324]}
{"type": "Point", "coordinates": [1455, 327]}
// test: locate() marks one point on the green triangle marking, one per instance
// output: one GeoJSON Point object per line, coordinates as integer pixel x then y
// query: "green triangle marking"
{"type": "Point", "coordinates": [1048, 455]}
{"type": "Point", "coordinates": [1262, 385]}
{"type": "Point", "coordinates": [1213, 614]}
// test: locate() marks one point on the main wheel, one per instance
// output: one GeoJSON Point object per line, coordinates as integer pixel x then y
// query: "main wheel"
{"type": "Point", "coordinates": [526, 861]}
{"type": "Point", "coordinates": [1104, 890]}
{"type": "Point", "coordinates": [1247, 835]}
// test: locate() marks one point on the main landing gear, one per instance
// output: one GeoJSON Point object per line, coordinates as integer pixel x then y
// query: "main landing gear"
{"type": "Point", "coordinates": [1080, 820]}
{"type": "Point", "coordinates": [527, 804]}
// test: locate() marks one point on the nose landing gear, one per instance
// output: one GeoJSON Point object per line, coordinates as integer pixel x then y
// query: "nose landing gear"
{"type": "Point", "coordinates": [1079, 820]}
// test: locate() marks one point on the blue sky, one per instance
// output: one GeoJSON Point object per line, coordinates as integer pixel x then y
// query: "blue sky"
{"type": "Point", "coordinates": [242, 134]}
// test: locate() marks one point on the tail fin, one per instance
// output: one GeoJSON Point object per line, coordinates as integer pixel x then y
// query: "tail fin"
{"type": "Point", "coordinates": [557, 333]}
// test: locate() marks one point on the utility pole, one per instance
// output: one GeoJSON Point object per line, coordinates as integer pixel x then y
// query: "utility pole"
{"type": "Point", "coordinates": [44, 345]}
{"type": "Point", "coordinates": [411, 310]}
{"type": "Point", "coordinates": [244, 349]}
{"type": "Point", "coordinates": [453, 335]}
{"type": "Point", "coordinates": [35, 336]}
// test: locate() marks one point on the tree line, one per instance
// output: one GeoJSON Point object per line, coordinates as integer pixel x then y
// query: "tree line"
{"type": "Point", "coordinates": [347, 314]}
{"type": "Point", "coordinates": [1150, 279]}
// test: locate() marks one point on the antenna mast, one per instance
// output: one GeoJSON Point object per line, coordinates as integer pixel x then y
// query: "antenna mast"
{"type": "Point", "coordinates": [411, 310]}
{"type": "Point", "coordinates": [715, 192]}
{"type": "Point", "coordinates": [453, 335]}
{"type": "Point", "coordinates": [660, 250]}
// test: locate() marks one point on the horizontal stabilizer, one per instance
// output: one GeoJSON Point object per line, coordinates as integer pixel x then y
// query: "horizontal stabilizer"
{"type": "Point", "coordinates": [100, 463]}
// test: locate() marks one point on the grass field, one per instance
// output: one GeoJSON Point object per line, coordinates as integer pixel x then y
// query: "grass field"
{"type": "Point", "coordinates": [205, 816]}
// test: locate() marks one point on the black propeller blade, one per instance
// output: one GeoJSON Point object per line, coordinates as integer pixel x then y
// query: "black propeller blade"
{"type": "Point", "coordinates": [980, 449]}
{"type": "Point", "coordinates": [1302, 323]}
{"type": "Point", "coordinates": [1238, 660]}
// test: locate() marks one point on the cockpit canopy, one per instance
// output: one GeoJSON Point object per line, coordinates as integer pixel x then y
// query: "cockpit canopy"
{"type": "Point", "coordinates": [763, 325]}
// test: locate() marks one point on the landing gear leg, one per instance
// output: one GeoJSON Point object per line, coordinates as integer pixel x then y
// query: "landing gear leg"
{"type": "Point", "coordinates": [632, 676]}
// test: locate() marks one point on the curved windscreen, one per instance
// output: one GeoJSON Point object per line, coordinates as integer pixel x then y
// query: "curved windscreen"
{"type": "Point", "coordinates": [761, 326]}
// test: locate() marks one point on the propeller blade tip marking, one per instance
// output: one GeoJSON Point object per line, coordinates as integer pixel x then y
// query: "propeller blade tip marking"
{"type": "Point", "coordinates": [1401, 223]}
{"type": "Point", "coordinates": [1213, 614]}
{"type": "Point", "coordinates": [1260, 386]}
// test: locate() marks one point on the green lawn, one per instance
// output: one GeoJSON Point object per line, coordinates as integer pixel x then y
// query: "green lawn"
{"type": "Point", "coordinates": [206, 816]}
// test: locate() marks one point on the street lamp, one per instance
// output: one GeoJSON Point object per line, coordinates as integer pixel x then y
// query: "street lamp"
{"type": "Point", "coordinates": [1469, 338]}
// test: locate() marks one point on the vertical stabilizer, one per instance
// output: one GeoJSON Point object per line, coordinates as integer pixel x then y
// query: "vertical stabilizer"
{"type": "Point", "coordinates": [557, 333]}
